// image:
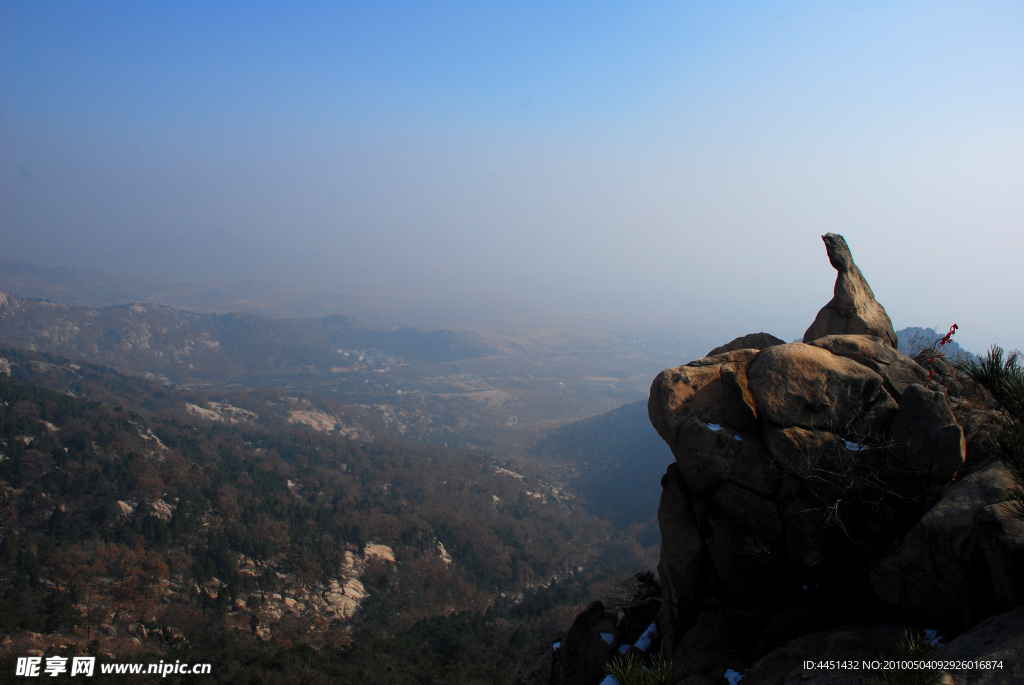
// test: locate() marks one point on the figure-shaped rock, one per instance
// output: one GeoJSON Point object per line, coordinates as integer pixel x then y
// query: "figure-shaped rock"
{"type": "Point", "coordinates": [853, 308]}
{"type": "Point", "coordinates": [801, 385]}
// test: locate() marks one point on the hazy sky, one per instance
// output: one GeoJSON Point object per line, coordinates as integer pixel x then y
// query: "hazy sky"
{"type": "Point", "coordinates": [669, 160]}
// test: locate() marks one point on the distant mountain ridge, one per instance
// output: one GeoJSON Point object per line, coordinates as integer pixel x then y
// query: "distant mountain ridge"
{"type": "Point", "coordinates": [187, 347]}
{"type": "Point", "coordinates": [913, 339]}
{"type": "Point", "coordinates": [81, 287]}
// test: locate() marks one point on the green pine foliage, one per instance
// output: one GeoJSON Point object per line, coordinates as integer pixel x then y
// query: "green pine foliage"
{"type": "Point", "coordinates": [1003, 375]}
{"type": "Point", "coordinates": [911, 646]}
{"type": "Point", "coordinates": [635, 669]}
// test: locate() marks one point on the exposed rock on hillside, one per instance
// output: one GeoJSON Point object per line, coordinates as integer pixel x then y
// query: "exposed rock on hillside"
{"type": "Point", "coordinates": [853, 308]}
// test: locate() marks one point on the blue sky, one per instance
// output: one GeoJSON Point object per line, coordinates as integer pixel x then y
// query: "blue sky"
{"type": "Point", "coordinates": [672, 161]}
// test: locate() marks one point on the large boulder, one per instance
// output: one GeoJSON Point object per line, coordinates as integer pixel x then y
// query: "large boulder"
{"type": "Point", "coordinates": [706, 414]}
{"type": "Point", "coordinates": [803, 385]}
{"type": "Point", "coordinates": [711, 390]}
{"type": "Point", "coordinates": [581, 657]}
{"type": "Point", "coordinates": [720, 640]}
{"type": "Point", "coordinates": [750, 341]}
{"type": "Point", "coordinates": [855, 643]}
{"type": "Point", "coordinates": [896, 369]}
{"type": "Point", "coordinates": [853, 308]}
{"type": "Point", "coordinates": [537, 662]}
{"type": "Point", "coordinates": [950, 564]}
{"type": "Point", "coordinates": [998, 642]}
{"type": "Point", "coordinates": [926, 429]}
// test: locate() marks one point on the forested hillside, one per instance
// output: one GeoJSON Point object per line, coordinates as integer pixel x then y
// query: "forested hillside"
{"type": "Point", "coordinates": [134, 525]}
{"type": "Point", "coordinates": [615, 462]}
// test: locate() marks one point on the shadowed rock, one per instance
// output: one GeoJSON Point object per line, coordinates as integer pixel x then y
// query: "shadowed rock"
{"type": "Point", "coordinates": [583, 652]}
{"type": "Point", "coordinates": [944, 569]}
{"type": "Point", "coordinates": [683, 554]}
{"type": "Point", "coordinates": [935, 444]}
{"type": "Point", "coordinates": [999, 639]}
{"type": "Point", "coordinates": [853, 308]}
{"type": "Point", "coordinates": [851, 643]}
{"type": "Point", "coordinates": [750, 341]}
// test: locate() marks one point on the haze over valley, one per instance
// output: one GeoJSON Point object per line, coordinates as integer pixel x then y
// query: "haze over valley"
{"type": "Point", "coordinates": [329, 333]}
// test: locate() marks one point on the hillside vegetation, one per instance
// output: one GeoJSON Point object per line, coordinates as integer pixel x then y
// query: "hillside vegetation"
{"type": "Point", "coordinates": [134, 526]}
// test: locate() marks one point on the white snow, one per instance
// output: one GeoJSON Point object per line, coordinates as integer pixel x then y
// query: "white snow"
{"type": "Point", "coordinates": [623, 649]}
{"type": "Point", "coordinates": [854, 446]}
{"type": "Point", "coordinates": [608, 680]}
{"type": "Point", "coordinates": [608, 637]}
{"type": "Point", "coordinates": [733, 677]}
{"type": "Point", "coordinates": [644, 643]}
{"type": "Point", "coordinates": [714, 426]}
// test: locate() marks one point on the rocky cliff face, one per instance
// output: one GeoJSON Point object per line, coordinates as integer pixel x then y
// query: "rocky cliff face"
{"type": "Point", "coordinates": [825, 492]}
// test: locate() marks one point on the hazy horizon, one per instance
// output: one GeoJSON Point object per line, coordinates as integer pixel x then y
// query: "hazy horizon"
{"type": "Point", "coordinates": [663, 163]}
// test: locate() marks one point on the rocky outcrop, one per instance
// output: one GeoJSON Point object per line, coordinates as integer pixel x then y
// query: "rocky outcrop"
{"type": "Point", "coordinates": [792, 462]}
{"type": "Point", "coordinates": [808, 463]}
{"type": "Point", "coordinates": [821, 493]}
{"type": "Point", "coordinates": [853, 308]}
{"type": "Point", "coordinates": [706, 409]}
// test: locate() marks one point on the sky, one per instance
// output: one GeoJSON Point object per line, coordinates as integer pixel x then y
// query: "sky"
{"type": "Point", "coordinates": [668, 162]}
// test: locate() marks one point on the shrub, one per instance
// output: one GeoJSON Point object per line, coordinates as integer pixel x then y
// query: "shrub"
{"type": "Point", "coordinates": [1003, 375]}
{"type": "Point", "coordinates": [912, 646]}
{"type": "Point", "coordinates": [633, 669]}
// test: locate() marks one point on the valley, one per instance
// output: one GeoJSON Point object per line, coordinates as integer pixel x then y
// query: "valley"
{"type": "Point", "coordinates": [292, 482]}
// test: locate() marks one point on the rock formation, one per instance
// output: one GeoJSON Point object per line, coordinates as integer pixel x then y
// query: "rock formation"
{"type": "Point", "coordinates": [853, 308]}
{"type": "Point", "coordinates": [821, 493]}
{"type": "Point", "coordinates": [751, 341]}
